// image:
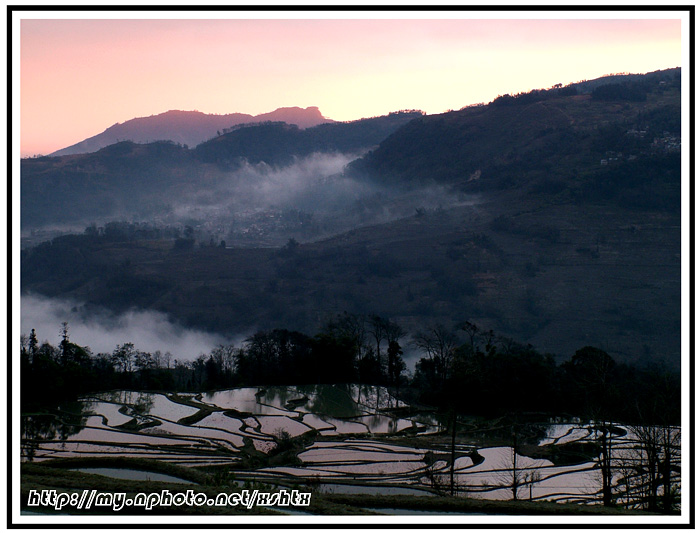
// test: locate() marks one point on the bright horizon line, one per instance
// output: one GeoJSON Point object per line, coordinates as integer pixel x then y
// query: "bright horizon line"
{"type": "Point", "coordinates": [29, 155]}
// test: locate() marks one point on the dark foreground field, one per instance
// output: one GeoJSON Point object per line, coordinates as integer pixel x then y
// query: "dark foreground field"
{"type": "Point", "coordinates": [56, 475]}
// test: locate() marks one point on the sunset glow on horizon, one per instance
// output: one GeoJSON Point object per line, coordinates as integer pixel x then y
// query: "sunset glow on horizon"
{"type": "Point", "coordinates": [78, 77]}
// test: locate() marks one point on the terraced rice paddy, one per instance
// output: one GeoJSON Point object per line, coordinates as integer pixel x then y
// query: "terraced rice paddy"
{"type": "Point", "coordinates": [354, 439]}
{"type": "Point", "coordinates": [139, 475]}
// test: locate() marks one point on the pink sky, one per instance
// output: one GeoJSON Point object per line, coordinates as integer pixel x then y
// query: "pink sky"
{"type": "Point", "coordinates": [79, 77]}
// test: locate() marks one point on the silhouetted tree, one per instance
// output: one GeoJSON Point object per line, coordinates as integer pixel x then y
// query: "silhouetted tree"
{"type": "Point", "coordinates": [123, 357]}
{"type": "Point", "coordinates": [64, 343]}
{"type": "Point", "coordinates": [592, 372]}
{"type": "Point", "coordinates": [33, 343]}
{"type": "Point", "coordinates": [438, 344]}
{"type": "Point", "coordinates": [395, 364]}
{"type": "Point", "coordinates": [377, 330]}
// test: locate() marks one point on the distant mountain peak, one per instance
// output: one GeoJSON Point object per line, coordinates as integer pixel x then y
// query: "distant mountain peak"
{"type": "Point", "coordinates": [189, 127]}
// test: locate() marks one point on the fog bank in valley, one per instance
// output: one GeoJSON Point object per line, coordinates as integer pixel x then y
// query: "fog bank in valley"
{"type": "Point", "coordinates": [259, 204]}
{"type": "Point", "coordinates": [102, 331]}
{"type": "Point", "coordinates": [310, 199]}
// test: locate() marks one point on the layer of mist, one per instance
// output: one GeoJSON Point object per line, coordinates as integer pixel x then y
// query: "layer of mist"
{"type": "Point", "coordinates": [149, 331]}
{"type": "Point", "coordinates": [260, 205]}
{"type": "Point", "coordinates": [264, 205]}
{"type": "Point", "coordinates": [102, 331]}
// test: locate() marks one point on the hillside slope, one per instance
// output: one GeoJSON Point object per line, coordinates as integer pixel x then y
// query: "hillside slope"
{"type": "Point", "coordinates": [561, 228]}
{"type": "Point", "coordinates": [559, 276]}
{"type": "Point", "coordinates": [276, 143]}
{"type": "Point", "coordinates": [552, 138]}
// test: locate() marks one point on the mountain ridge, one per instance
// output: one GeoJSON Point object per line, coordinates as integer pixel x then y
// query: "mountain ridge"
{"type": "Point", "coordinates": [188, 127]}
{"type": "Point", "coordinates": [570, 128]}
{"type": "Point", "coordinates": [126, 177]}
